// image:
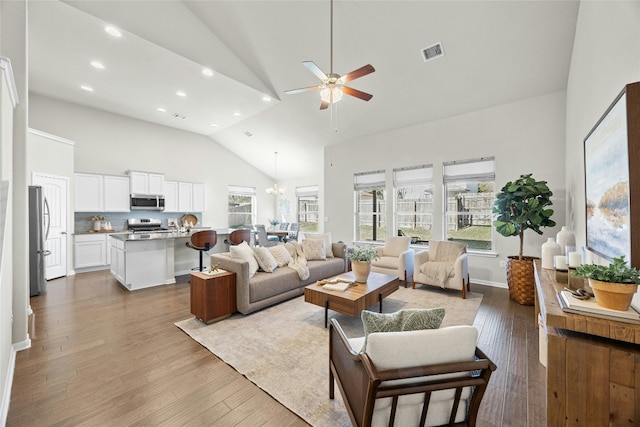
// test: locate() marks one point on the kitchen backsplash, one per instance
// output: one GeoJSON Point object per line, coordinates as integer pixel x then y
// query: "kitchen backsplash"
{"type": "Point", "coordinates": [118, 220]}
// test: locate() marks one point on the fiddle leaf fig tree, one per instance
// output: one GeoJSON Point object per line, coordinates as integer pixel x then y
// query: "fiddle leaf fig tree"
{"type": "Point", "coordinates": [521, 205]}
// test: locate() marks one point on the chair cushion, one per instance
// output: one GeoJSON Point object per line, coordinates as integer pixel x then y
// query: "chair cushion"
{"type": "Point", "coordinates": [266, 261]}
{"type": "Point", "coordinates": [314, 249]}
{"type": "Point", "coordinates": [391, 262]}
{"type": "Point", "coordinates": [403, 320]}
{"type": "Point", "coordinates": [244, 252]}
{"type": "Point", "coordinates": [327, 241]}
{"type": "Point", "coordinates": [395, 245]}
{"type": "Point", "coordinates": [281, 255]}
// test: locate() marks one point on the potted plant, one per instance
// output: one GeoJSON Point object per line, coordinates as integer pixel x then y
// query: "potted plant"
{"type": "Point", "coordinates": [613, 285]}
{"type": "Point", "coordinates": [521, 205]}
{"type": "Point", "coordinates": [361, 257]}
{"type": "Point", "coordinates": [273, 223]}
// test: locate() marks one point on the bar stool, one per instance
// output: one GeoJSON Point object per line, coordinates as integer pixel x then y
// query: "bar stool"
{"type": "Point", "coordinates": [238, 236]}
{"type": "Point", "coordinates": [203, 241]}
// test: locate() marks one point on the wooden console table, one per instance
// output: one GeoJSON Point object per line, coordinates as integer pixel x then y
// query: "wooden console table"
{"type": "Point", "coordinates": [213, 297]}
{"type": "Point", "coordinates": [593, 369]}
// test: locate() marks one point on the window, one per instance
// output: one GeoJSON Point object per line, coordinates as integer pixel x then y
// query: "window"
{"type": "Point", "coordinates": [413, 188]}
{"type": "Point", "coordinates": [469, 189]}
{"type": "Point", "coordinates": [307, 199]}
{"type": "Point", "coordinates": [370, 208]}
{"type": "Point", "coordinates": [242, 202]}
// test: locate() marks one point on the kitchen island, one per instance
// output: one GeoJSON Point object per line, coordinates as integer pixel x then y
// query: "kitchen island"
{"type": "Point", "coordinates": [143, 260]}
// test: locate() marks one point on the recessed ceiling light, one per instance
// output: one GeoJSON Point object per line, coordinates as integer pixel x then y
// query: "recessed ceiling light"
{"type": "Point", "coordinates": [236, 114]}
{"type": "Point", "coordinates": [97, 64]}
{"type": "Point", "coordinates": [162, 110]}
{"type": "Point", "coordinates": [266, 99]}
{"type": "Point", "coordinates": [215, 125]}
{"type": "Point", "coordinates": [207, 72]}
{"type": "Point", "coordinates": [113, 31]}
{"type": "Point", "coordinates": [86, 88]}
{"type": "Point", "coordinates": [181, 93]}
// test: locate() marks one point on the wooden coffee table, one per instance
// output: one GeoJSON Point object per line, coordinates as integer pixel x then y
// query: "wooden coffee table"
{"type": "Point", "coordinates": [356, 298]}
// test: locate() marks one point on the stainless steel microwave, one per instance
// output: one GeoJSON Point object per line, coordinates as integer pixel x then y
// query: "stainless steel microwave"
{"type": "Point", "coordinates": [147, 202]}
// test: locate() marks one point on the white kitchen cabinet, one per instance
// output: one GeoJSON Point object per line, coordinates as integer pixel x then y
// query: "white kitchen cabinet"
{"type": "Point", "coordinates": [146, 182]}
{"type": "Point", "coordinates": [171, 196]}
{"type": "Point", "coordinates": [116, 193]}
{"type": "Point", "coordinates": [118, 265]}
{"type": "Point", "coordinates": [198, 197]}
{"type": "Point", "coordinates": [90, 250]}
{"type": "Point", "coordinates": [88, 192]}
{"type": "Point", "coordinates": [185, 197]}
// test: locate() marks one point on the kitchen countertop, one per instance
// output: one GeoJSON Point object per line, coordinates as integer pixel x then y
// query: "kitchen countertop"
{"type": "Point", "coordinates": [162, 235]}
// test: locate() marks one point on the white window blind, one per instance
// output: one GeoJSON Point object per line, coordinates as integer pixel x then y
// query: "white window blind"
{"type": "Point", "coordinates": [415, 175]}
{"type": "Point", "coordinates": [239, 190]}
{"type": "Point", "coordinates": [308, 190]}
{"type": "Point", "coordinates": [470, 170]}
{"type": "Point", "coordinates": [369, 180]}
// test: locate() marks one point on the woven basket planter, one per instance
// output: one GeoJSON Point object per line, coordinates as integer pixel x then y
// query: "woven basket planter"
{"type": "Point", "coordinates": [520, 279]}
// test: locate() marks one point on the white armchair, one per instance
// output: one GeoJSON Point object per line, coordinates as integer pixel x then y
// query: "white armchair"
{"type": "Point", "coordinates": [395, 258]}
{"type": "Point", "coordinates": [445, 264]}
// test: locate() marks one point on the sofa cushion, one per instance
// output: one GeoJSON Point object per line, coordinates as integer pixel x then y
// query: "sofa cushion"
{"type": "Point", "coordinates": [266, 261]}
{"type": "Point", "coordinates": [395, 245]}
{"type": "Point", "coordinates": [314, 249]}
{"type": "Point", "coordinates": [391, 262]}
{"type": "Point", "coordinates": [327, 241]}
{"type": "Point", "coordinates": [244, 252]}
{"type": "Point", "coordinates": [281, 254]}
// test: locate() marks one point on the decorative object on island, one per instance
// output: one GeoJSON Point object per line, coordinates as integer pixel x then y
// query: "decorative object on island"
{"type": "Point", "coordinates": [550, 249]}
{"type": "Point", "coordinates": [521, 205]}
{"type": "Point", "coordinates": [97, 222]}
{"type": "Point", "coordinates": [565, 237]}
{"type": "Point", "coordinates": [613, 285]}
{"type": "Point", "coordinates": [361, 257]}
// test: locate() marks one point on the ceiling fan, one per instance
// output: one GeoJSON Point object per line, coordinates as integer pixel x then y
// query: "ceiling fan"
{"type": "Point", "coordinates": [332, 86]}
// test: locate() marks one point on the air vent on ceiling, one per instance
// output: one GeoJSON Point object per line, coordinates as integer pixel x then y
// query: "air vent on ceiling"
{"type": "Point", "coordinates": [178, 116]}
{"type": "Point", "coordinates": [248, 134]}
{"type": "Point", "coordinates": [432, 52]}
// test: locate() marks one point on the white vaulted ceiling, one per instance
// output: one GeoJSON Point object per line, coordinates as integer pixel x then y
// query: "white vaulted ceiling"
{"type": "Point", "coordinates": [495, 52]}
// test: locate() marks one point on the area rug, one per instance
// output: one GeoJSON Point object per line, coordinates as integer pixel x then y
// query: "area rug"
{"type": "Point", "coordinates": [284, 349]}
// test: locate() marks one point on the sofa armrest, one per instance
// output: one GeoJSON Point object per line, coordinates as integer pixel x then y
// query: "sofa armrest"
{"type": "Point", "coordinates": [406, 262]}
{"type": "Point", "coordinates": [340, 251]}
{"type": "Point", "coordinates": [420, 258]}
{"type": "Point", "coordinates": [241, 268]}
{"type": "Point", "coordinates": [461, 266]}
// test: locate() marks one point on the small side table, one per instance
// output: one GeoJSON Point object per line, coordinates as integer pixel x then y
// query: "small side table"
{"type": "Point", "coordinates": [213, 297]}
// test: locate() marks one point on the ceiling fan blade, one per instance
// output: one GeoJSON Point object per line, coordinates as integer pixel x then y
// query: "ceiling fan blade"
{"type": "Point", "coordinates": [357, 93]}
{"type": "Point", "coordinates": [302, 89]}
{"type": "Point", "coordinates": [315, 69]}
{"type": "Point", "coordinates": [360, 72]}
{"type": "Point", "coordinates": [324, 105]}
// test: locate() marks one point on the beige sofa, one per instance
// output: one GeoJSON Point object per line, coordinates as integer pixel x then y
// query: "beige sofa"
{"type": "Point", "coordinates": [266, 289]}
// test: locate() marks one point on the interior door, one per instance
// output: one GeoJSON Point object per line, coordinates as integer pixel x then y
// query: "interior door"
{"type": "Point", "coordinates": [54, 189]}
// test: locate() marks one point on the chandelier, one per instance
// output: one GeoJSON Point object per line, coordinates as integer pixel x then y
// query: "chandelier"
{"type": "Point", "coordinates": [275, 191]}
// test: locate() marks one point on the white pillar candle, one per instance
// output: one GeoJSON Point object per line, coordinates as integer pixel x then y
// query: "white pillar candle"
{"type": "Point", "coordinates": [575, 259]}
{"type": "Point", "coordinates": [560, 261]}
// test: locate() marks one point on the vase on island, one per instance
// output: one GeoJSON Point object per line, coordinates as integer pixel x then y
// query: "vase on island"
{"type": "Point", "coordinates": [97, 225]}
{"type": "Point", "coordinates": [361, 270]}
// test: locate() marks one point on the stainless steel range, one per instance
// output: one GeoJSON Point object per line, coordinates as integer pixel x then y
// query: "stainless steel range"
{"type": "Point", "coordinates": [144, 225]}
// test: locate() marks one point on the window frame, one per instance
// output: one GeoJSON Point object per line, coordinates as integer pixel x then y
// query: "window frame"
{"type": "Point", "coordinates": [413, 177]}
{"type": "Point", "coordinates": [308, 191]}
{"type": "Point", "coordinates": [372, 181]}
{"type": "Point", "coordinates": [241, 191]}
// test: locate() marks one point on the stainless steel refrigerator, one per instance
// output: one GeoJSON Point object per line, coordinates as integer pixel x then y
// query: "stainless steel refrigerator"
{"type": "Point", "coordinates": [39, 222]}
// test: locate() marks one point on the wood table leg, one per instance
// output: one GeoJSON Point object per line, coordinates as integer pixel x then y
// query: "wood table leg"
{"type": "Point", "coordinates": [380, 296]}
{"type": "Point", "coordinates": [326, 312]}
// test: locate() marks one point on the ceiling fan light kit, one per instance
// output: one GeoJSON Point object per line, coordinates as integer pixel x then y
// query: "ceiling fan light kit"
{"type": "Point", "coordinates": [332, 86]}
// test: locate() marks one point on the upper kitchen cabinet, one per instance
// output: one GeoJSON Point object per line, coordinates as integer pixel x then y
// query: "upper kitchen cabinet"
{"type": "Point", "coordinates": [88, 192]}
{"type": "Point", "coordinates": [146, 182]}
{"type": "Point", "coordinates": [198, 197]}
{"type": "Point", "coordinates": [183, 196]}
{"type": "Point", "coordinates": [171, 196]}
{"type": "Point", "coordinates": [101, 193]}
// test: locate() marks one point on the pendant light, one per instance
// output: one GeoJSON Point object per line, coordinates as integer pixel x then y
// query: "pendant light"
{"type": "Point", "coordinates": [275, 191]}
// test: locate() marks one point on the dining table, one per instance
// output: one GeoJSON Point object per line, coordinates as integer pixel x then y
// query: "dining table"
{"type": "Point", "coordinates": [281, 234]}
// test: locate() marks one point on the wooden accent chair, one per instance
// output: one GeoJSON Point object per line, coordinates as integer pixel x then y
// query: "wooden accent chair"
{"type": "Point", "coordinates": [238, 236]}
{"type": "Point", "coordinates": [445, 264]}
{"type": "Point", "coordinates": [395, 258]}
{"type": "Point", "coordinates": [202, 241]}
{"type": "Point", "coordinates": [430, 377]}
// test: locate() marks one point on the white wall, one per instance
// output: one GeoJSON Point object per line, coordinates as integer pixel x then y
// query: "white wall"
{"type": "Point", "coordinates": [112, 144]}
{"type": "Point", "coordinates": [606, 57]}
{"type": "Point", "coordinates": [525, 137]}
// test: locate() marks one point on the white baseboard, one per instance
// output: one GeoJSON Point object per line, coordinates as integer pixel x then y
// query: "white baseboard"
{"type": "Point", "coordinates": [8, 381]}
{"type": "Point", "coordinates": [488, 283]}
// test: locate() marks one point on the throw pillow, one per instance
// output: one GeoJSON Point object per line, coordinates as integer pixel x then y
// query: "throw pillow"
{"type": "Point", "coordinates": [327, 241]}
{"type": "Point", "coordinates": [243, 252]}
{"type": "Point", "coordinates": [266, 261]}
{"type": "Point", "coordinates": [281, 255]}
{"type": "Point", "coordinates": [313, 249]}
{"type": "Point", "coordinates": [403, 320]}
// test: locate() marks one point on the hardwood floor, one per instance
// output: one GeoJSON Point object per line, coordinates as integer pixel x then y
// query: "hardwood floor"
{"type": "Point", "coordinates": [101, 356]}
